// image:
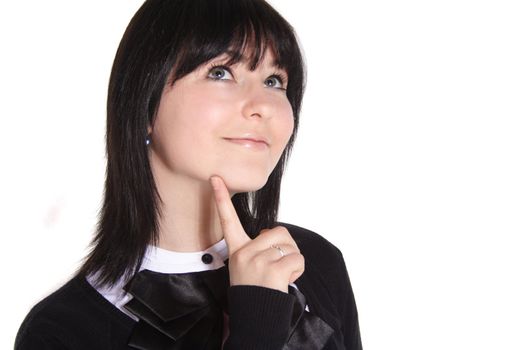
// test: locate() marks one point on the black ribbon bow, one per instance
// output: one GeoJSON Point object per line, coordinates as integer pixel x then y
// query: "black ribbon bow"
{"type": "Point", "coordinates": [185, 311]}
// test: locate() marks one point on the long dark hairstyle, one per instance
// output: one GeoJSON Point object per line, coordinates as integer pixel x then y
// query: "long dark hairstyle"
{"type": "Point", "coordinates": [165, 40]}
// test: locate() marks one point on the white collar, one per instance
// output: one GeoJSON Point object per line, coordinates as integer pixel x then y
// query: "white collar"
{"type": "Point", "coordinates": [167, 261]}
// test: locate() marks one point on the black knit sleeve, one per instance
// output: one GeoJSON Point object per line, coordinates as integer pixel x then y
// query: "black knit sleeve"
{"type": "Point", "coordinates": [259, 318]}
{"type": "Point", "coordinates": [38, 339]}
{"type": "Point", "coordinates": [349, 316]}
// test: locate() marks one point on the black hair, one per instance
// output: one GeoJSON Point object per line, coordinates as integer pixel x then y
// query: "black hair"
{"type": "Point", "coordinates": [165, 40]}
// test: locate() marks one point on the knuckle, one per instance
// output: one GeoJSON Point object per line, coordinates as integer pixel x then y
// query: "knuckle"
{"type": "Point", "coordinates": [258, 262]}
{"type": "Point", "coordinates": [281, 229]}
{"type": "Point", "coordinates": [301, 261]}
{"type": "Point", "coordinates": [294, 249]}
{"type": "Point", "coordinates": [279, 233]}
{"type": "Point", "coordinates": [297, 260]}
{"type": "Point", "coordinates": [272, 234]}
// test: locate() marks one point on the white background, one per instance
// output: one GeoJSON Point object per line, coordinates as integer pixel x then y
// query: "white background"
{"type": "Point", "coordinates": [410, 157]}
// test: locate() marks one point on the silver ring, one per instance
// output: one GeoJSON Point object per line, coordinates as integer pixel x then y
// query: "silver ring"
{"type": "Point", "coordinates": [281, 250]}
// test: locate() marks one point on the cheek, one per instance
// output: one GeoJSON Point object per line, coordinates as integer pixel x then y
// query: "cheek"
{"type": "Point", "coordinates": [196, 116]}
{"type": "Point", "coordinates": [185, 128]}
{"type": "Point", "coordinates": [285, 122]}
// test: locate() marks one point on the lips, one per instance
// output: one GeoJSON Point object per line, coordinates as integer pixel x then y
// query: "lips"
{"type": "Point", "coordinates": [255, 144]}
{"type": "Point", "coordinates": [251, 137]}
{"type": "Point", "coordinates": [247, 139]}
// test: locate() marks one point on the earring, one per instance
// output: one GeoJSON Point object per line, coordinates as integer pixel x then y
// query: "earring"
{"type": "Point", "coordinates": [148, 139]}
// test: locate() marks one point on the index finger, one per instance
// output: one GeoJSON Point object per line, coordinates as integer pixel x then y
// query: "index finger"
{"type": "Point", "coordinates": [230, 223]}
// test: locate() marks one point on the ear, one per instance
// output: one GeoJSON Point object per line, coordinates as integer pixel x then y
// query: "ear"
{"type": "Point", "coordinates": [150, 129]}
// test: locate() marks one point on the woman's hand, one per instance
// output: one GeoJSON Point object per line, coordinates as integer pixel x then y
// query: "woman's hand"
{"type": "Point", "coordinates": [256, 262]}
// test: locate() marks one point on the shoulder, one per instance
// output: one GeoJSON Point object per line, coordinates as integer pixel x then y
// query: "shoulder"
{"type": "Point", "coordinates": [74, 311]}
{"type": "Point", "coordinates": [43, 323]}
{"type": "Point", "coordinates": [61, 300]}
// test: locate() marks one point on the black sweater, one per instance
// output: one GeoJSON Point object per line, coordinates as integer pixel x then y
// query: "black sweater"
{"type": "Point", "coordinates": [77, 317]}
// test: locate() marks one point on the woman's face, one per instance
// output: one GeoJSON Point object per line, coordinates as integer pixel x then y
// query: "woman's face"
{"type": "Point", "coordinates": [204, 116]}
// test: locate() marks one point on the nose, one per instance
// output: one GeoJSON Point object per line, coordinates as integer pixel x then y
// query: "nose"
{"type": "Point", "coordinates": [256, 103]}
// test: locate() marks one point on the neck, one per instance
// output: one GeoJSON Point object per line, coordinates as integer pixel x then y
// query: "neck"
{"type": "Point", "coordinates": [189, 220]}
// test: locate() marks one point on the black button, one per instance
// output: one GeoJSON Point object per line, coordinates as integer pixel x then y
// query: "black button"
{"type": "Point", "coordinates": [207, 258]}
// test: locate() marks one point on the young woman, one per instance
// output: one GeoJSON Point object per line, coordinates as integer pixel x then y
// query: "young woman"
{"type": "Point", "coordinates": [203, 110]}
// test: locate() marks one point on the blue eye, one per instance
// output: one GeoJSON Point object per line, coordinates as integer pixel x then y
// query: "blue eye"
{"type": "Point", "coordinates": [275, 81]}
{"type": "Point", "coordinates": [219, 73]}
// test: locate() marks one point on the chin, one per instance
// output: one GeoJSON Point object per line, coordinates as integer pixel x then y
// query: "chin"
{"type": "Point", "coordinates": [247, 188]}
{"type": "Point", "coordinates": [244, 181]}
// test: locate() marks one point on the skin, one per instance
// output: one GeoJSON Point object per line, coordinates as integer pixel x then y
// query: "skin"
{"type": "Point", "coordinates": [189, 146]}
{"type": "Point", "coordinates": [255, 262]}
